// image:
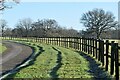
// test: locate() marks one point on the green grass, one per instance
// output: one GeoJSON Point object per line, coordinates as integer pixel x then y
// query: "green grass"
{"type": "Point", "coordinates": [48, 64]}
{"type": "Point", "coordinates": [73, 65]}
{"type": "Point", "coordinates": [56, 62]}
{"type": "Point", "coordinates": [42, 65]}
{"type": "Point", "coordinates": [2, 48]}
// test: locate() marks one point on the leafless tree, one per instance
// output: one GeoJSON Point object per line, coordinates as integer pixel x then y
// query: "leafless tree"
{"type": "Point", "coordinates": [3, 25]}
{"type": "Point", "coordinates": [24, 25]}
{"type": "Point", "coordinates": [44, 27]}
{"type": "Point", "coordinates": [3, 3]}
{"type": "Point", "coordinates": [98, 21]}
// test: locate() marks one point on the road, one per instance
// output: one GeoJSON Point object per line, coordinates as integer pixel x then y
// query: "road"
{"type": "Point", "coordinates": [14, 55]}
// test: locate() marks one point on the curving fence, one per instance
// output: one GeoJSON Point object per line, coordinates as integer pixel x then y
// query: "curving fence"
{"type": "Point", "coordinates": [106, 52]}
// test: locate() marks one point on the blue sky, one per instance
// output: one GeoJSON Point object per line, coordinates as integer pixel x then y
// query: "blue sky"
{"type": "Point", "coordinates": [67, 14]}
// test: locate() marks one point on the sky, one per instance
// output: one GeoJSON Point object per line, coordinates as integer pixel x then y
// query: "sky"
{"type": "Point", "coordinates": [67, 14]}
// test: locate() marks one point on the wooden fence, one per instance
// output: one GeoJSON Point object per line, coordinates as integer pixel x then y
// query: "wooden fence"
{"type": "Point", "coordinates": [104, 51]}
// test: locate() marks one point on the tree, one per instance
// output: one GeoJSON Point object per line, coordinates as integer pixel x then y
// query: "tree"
{"type": "Point", "coordinates": [3, 25]}
{"type": "Point", "coordinates": [44, 27]}
{"type": "Point", "coordinates": [24, 26]}
{"type": "Point", "coordinates": [3, 4]}
{"type": "Point", "coordinates": [98, 21]}
{"type": "Point", "coordinates": [8, 32]}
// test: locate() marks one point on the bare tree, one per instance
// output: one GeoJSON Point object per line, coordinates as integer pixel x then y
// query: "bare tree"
{"type": "Point", "coordinates": [8, 32]}
{"type": "Point", "coordinates": [24, 26]}
{"type": "Point", "coordinates": [41, 28]}
{"type": "Point", "coordinates": [3, 3]}
{"type": "Point", "coordinates": [98, 21]}
{"type": "Point", "coordinates": [44, 27]}
{"type": "Point", "coordinates": [3, 25]}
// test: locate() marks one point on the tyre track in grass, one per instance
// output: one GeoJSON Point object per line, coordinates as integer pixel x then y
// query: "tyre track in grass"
{"type": "Point", "coordinates": [41, 67]}
{"type": "Point", "coordinates": [29, 62]}
{"type": "Point", "coordinates": [53, 73]}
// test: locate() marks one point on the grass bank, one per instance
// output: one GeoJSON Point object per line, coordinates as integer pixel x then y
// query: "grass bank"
{"type": "Point", "coordinates": [2, 48]}
{"type": "Point", "coordinates": [59, 62]}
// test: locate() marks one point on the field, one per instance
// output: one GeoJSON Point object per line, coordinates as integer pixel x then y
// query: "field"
{"type": "Point", "coordinates": [2, 48]}
{"type": "Point", "coordinates": [59, 62]}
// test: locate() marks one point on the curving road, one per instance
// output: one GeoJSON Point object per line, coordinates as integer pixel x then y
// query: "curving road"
{"type": "Point", "coordinates": [15, 54]}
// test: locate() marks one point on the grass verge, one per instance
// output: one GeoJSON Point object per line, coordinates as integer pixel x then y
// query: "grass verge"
{"type": "Point", "coordinates": [2, 48]}
{"type": "Point", "coordinates": [59, 62]}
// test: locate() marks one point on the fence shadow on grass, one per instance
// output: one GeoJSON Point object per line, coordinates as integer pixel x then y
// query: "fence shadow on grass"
{"type": "Point", "coordinates": [53, 73]}
{"type": "Point", "coordinates": [95, 70]}
{"type": "Point", "coordinates": [10, 77]}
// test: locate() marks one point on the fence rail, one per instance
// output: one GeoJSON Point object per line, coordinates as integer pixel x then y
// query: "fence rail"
{"type": "Point", "coordinates": [104, 51]}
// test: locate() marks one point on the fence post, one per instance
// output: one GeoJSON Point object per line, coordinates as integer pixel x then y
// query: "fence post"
{"type": "Point", "coordinates": [88, 45]}
{"type": "Point", "coordinates": [35, 39]}
{"type": "Point", "coordinates": [77, 43]}
{"type": "Point", "coordinates": [102, 52]}
{"type": "Point", "coordinates": [62, 41]}
{"type": "Point", "coordinates": [59, 41]}
{"type": "Point", "coordinates": [80, 43]}
{"type": "Point", "coordinates": [112, 57]}
{"type": "Point", "coordinates": [41, 39]}
{"type": "Point", "coordinates": [107, 51]}
{"type": "Point", "coordinates": [93, 47]}
{"type": "Point", "coordinates": [52, 41]}
{"type": "Point", "coordinates": [116, 61]}
{"type": "Point", "coordinates": [96, 51]}
{"type": "Point", "coordinates": [48, 40]}
{"type": "Point", "coordinates": [75, 46]}
{"type": "Point", "coordinates": [99, 55]}
{"type": "Point", "coordinates": [65, 42]}
{"type": "Point", "coordinates": [85, 44]}
{"type": "Point", "coordinates": [69, 42]}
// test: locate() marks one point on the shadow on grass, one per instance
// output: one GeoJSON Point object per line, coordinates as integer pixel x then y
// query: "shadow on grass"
{"type": "Point", "coordinates": [29, 64]}
{"type": "Point", "coordinates": [53, 73]}
{"type": "Point", "coordinates": [95, 70]}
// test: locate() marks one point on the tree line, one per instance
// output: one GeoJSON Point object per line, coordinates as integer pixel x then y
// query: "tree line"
{"type": "Point", "coordinates": [49, 28]}
{"type": "Point", "coordinates": [98, 23]}
{"type": "Point", "coordinates": [41, 28]}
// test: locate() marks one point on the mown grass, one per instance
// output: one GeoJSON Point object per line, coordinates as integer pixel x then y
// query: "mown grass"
{"type": "Point", "coordinates": [42, 65]}
{"type": "Point", "coordinates": [73, 65]}
{"type": "Point", "coordinates": [56, 62]}
{"type": "Point", "coordinates": [2, 48]}
{"type": "Point", "coordinates": [49, 64]}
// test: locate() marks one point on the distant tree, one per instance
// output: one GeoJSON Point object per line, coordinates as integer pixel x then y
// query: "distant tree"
{"type": "Point", "coordinates": [41, 28]}
{"type": "Point", "coordinates": [3, 3]}
{"type": "Point", "coordinates": [3, 26]}
{"type": "Point", "coordinates": [24, 26]}
{"type": "Point", "coordinates": [38, 29]}
{"type": "Point", "coordinates": [98, 21]}
{"type": "Point", "coordinates": [8, 32]}
{"type": "Point", "coordinates": [44, 27]}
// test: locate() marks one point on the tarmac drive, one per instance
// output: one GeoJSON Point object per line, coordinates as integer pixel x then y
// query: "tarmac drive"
{"type": "Point", "coordinates": [15, 54]}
